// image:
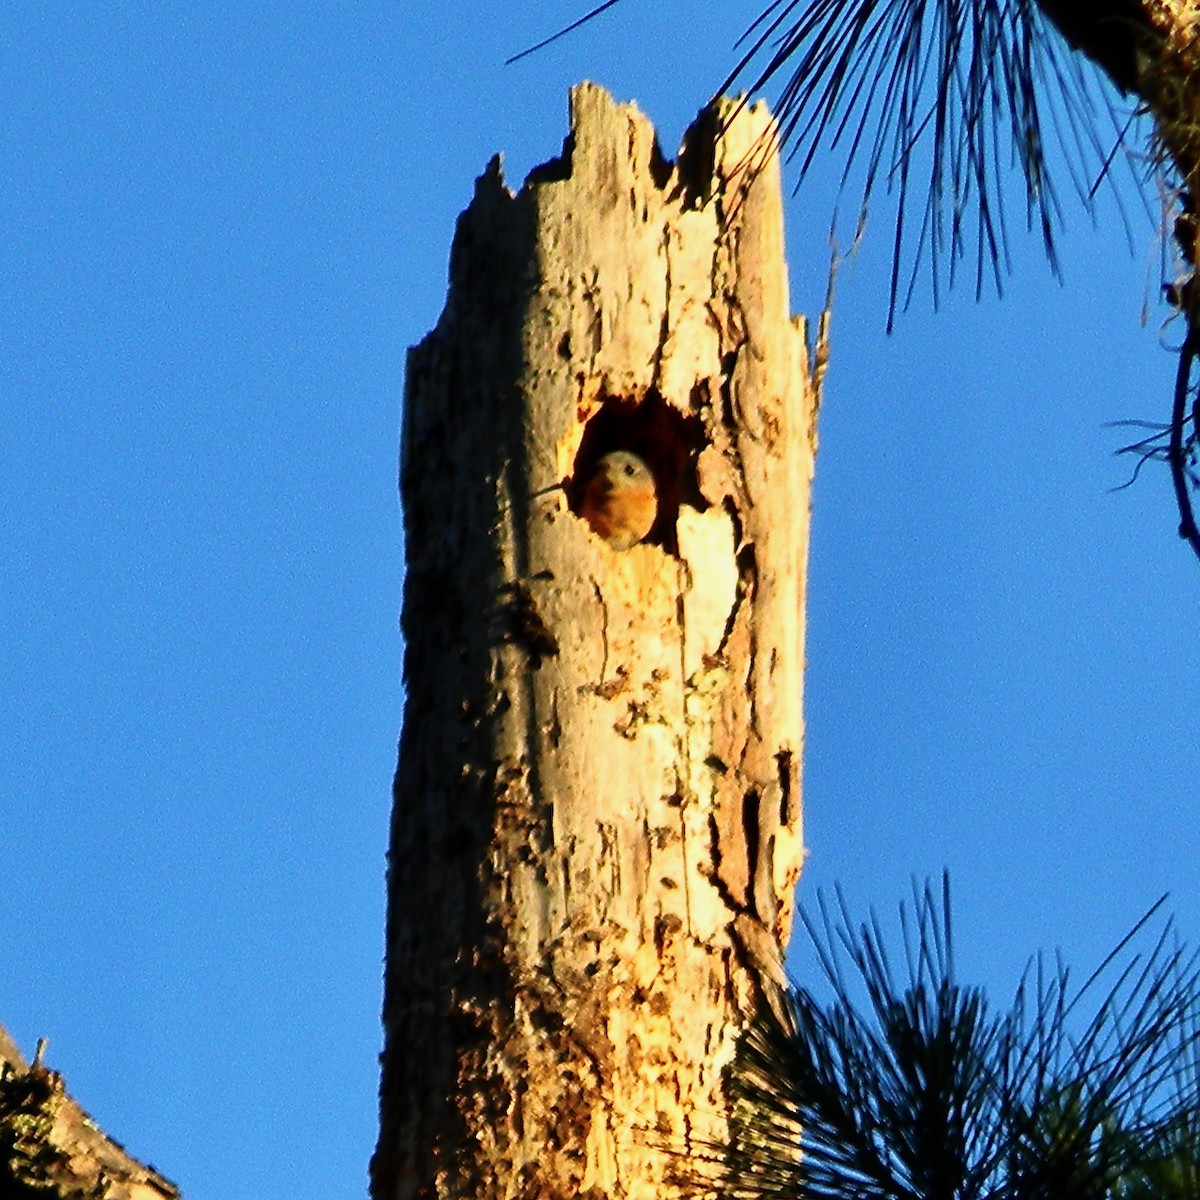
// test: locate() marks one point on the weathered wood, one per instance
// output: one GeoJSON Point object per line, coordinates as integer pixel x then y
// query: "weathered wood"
{"type": "Point", "coordinates": [597, 820]}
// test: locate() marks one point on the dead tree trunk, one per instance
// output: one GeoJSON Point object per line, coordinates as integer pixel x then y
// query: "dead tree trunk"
{"type": "Point", "coordinates": [596, 829]}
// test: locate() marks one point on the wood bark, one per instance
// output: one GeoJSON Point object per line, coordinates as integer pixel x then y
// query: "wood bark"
{"type": "Point", "coordinates": [597, 817]}
{"type": "Point", "coordinates": [1169, 82]}
{"type": "Point", "coordinates": [51, 1149]}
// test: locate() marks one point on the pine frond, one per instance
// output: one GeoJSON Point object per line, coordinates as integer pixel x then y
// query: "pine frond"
{"type": "Point", "coordinates": [936, 101]}
{"type": "Point", "coordinates": [910, 1087]}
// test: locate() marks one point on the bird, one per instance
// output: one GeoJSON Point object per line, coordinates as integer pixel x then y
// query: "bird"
{"type": "Point", "coordinates": [619, 500]}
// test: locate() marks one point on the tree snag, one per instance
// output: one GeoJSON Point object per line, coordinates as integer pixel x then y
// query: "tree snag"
{"type": "Point", "coordinates": [596, 826]}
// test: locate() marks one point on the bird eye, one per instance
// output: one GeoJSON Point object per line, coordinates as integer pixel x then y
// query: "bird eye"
{"type": "Point", "coordinates": [629, 469]}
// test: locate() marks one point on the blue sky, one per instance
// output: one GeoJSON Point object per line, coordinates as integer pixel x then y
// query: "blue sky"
{"type": "Point", "coordinates": [222, 224]}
